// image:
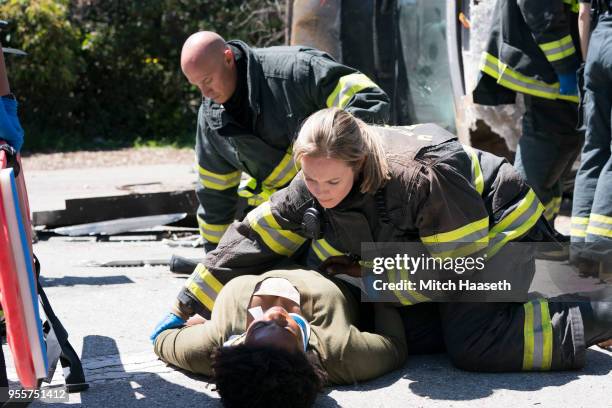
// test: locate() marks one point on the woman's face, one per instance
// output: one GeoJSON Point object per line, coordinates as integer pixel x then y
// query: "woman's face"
{"type": "Point", "coordinates": [277, 329]}
{"type": "Point", "coordinates": [328, 180]}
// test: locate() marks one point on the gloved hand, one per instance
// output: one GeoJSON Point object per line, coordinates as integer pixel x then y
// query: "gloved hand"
{"type": "Point", "coordinates": [568, 84]}
{"type": "Point", "coordinates": [10, 128]}
{"type": "Point", "coordinates": [171, 321]}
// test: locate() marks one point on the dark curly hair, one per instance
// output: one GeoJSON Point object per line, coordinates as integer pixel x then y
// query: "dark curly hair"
{"type": "Point", "coordinates": [254, 376]}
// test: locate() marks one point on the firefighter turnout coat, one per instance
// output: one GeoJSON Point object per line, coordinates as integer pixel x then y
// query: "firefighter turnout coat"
{"type": "Point", "coordinates": [285, 85]}
{"type": "Point", "coordinates": [530, 43]}
{"type": "Point", "coordinates": [453, 199]}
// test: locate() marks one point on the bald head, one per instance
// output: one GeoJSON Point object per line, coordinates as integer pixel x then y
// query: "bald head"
{"type": "Point", "coordinates": [208, 63]}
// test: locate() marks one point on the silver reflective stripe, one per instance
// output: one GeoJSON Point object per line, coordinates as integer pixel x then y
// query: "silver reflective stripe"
{"type": "Point", "coordinates": [276, 235]}
{"type": "Point", "coordinates": [404, 296]}
{"type": "Point", "coordinates": [284, 174]}
{"type": "Point", "coordinates": [560, 52]}
{"type": "Point", "coordinates": [443, 247]}
{"type": "Point", "coordinates": [516, 222]}
{"type": "Point", "coordinates": [319, 248]}
{"type": "Point", "coordinates": [219, 183]}
{"type": "Point", "coordinates": [521, 84]}
{"type": "Point", "coordinates": [538, 338]}
{"type": "Point", "coordinates": [210, 292]}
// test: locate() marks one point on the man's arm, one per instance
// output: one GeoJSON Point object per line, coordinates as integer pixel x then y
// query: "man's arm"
{"type": "Point", "coordinates": [336, 85]}
{"type": "Point", "coordinates": [550, 27]}
{"type": "Point", "coordinates": [584, 27]}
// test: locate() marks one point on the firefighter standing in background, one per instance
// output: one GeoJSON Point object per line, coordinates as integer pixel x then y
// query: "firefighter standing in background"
{"type": "Point", "coordinates": [416, 183]}
{"type": "Point", "coordinates": [253, 100]}
{"type": "Point", "coordinates": [592, 207]}
{"type": "Point", "coordinates": [532, 49]}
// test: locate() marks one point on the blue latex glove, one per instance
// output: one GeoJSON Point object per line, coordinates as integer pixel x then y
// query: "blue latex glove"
{"type": "Point", "coordinates": [171, 321]}
{"type": "Point", "coordinates": [10, 128]}
{"type": "Point", "coordinates": [568, 84]}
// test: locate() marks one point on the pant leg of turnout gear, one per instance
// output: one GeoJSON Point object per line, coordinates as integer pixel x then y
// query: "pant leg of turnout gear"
{"type": "Point", "coordinates": [592, 209]}
{"type": "Point", "coordinates": [539, 335]}
{"type": "Point", "coordinates": [596, 310]}
{"type": "Point", "coordinates": [423, 328]}
{"type": "Point", "coordinates": [548, 147]}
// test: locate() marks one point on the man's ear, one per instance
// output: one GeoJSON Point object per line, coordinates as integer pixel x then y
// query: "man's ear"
{"type": "Point", "coordinates": [228, 56]}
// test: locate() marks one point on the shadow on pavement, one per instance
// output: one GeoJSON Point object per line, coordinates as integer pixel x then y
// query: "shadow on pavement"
{"type": "Point", "coordinates": [80, 280]}
{"type": "Point", "coordinates": [434, 377]}
{"type": "Point", "coordinates": [133, 389]}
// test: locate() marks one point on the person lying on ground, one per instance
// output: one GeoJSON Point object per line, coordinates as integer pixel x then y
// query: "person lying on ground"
{"type": "Point", "coordinates": [276, 339]}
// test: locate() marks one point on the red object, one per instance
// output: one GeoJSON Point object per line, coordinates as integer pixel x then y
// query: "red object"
{"type": "Point", "coordinates": [17, 335]}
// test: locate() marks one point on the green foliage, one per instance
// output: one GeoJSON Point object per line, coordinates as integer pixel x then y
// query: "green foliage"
{"type": "Point", "coordinates": [106, 72]}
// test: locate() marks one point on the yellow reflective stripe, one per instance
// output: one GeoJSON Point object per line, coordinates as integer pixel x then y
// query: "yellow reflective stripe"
{"type": "Point", "coordinates": [600, 225]}
{"type": "Point", "coordinates": [464, 250]}
{"type": "Point", "coordinates": [212, 232]}
{"type": "Point", "coordinates": [324, 250]}
{"type": "Point", "coordinates": [256, 200]}
{"type": "Point", "coordinates": [210, 280]}
{"type": "Point", "coordinates": [551, 209]}
{"type": "Point", "coordinates": [347, 87]}
{"type": "Point", "coordinates": [398, 294]}
{"type": "Point", "coordinates": [580, 220]}
{"type": "Point", "coordinates": [248, 190]}
{"type": "Point", "coordinates": [547, 335]}
{"type": "Point", "coordinates": [604, 232]}
{"type": "Point", "coordinates": [579, 226]}
{"type": "Point", "coordinates": [283, 173]}
{"type": "Point", "coordinates": [200, 295]}
{"type": "Point", "coordinates": [564, 53]}
{"type": "Point", "coordinates": [559, 49]}
{"type": "Point", "coordinates": [247, 187]}
{"type": "Point", "coordinates": [511, 79]}
{"type": "Point", "coordinates": [600, 218]}
{"type": "Point", "coordinates": [209, 289]}
{"type": "Point", "coordinates": [218, 181]}
{"type": "Point", "coordinates": [477, 177]}
{"type": "Point", "coordinates": [517, 223]}
{"type": "Point", "coordinates": [458, 233]}
{"type": "Point", "coordinates": [575, 7]}
{"type": "Point", "coordinates": [557, 43]}
{"type": "Point", "coordinates": [575, 232]}
{"type": "Point", "coordinates": [283, 242]}
{"type": "Point", "coordinates": [537, 336]}
{"type": "Point", "coordinates": [416, 295]}
{"type": "Point", "coordinates": [528, 340]}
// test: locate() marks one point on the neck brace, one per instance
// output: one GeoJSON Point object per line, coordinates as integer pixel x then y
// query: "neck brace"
{"type": "Point", "coordinates": [304, 328]}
